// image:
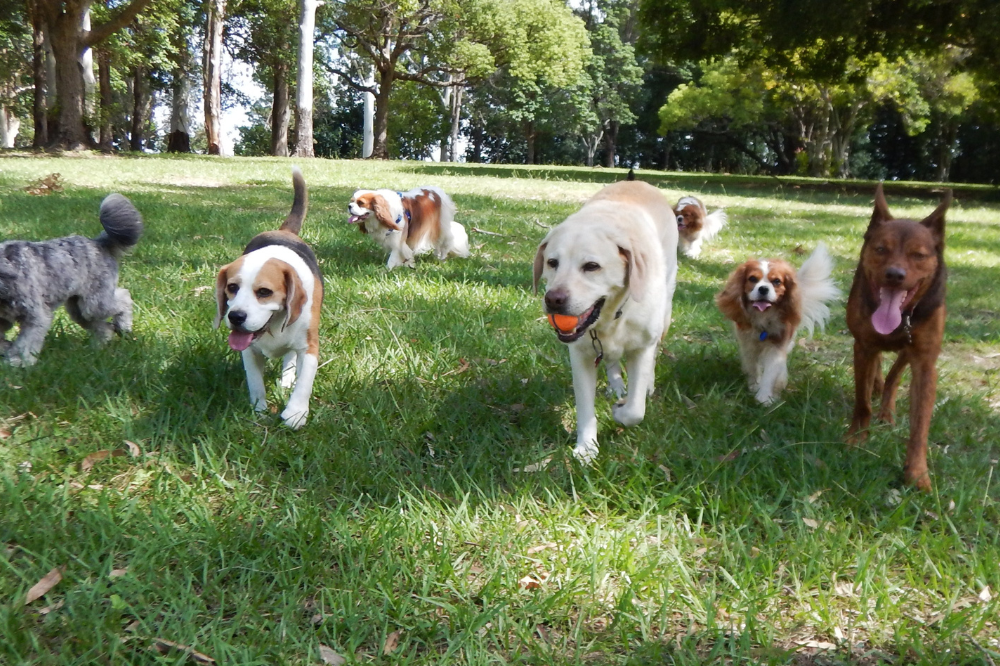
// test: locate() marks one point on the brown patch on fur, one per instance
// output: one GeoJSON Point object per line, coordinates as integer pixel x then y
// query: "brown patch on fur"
{"type": "Point", "coordinates": [312, 335]}
{"type": "Point", "coordinates": [381, 209]}
{"type": "Point", "coordinates": [730, 299]}
{"type": "Point", "coordinates": [424, 211]}
{"type": "Point", "coordinates": [915, 250]}
{"type": "Point", "coordinates": [221, 280]}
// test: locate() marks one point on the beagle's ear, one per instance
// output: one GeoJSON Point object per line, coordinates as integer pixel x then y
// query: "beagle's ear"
{"type": "Point", "coordinates": [220, 294]}
{"type": "Point", "coordinates": [730, 299]}
{"type": "Point", "coordinates": [539, 263]}
{"type": "Point", "coordinates": [635, 272]}
{"type": "Point", "coordinates": [383, 213]}
{"type": "Point", "coordinates": [295, 297]}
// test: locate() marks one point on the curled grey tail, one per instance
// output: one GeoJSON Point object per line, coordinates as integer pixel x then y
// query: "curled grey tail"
{"type": "Point", "coordinates": [122, 224]}
{"type": "Point", "coordinates": [300, 204]}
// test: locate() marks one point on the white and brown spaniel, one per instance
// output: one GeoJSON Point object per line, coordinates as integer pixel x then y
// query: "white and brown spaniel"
{"type": "Point", "coordinates": [695, 225]}
{"type": "Point", "coordinates": [767, 301]}
{"type": "Point", "coordinates": [408, 223]}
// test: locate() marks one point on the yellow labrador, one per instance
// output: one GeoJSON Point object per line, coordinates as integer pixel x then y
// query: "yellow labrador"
{"type": "Point", "coordinates": [610, 271]}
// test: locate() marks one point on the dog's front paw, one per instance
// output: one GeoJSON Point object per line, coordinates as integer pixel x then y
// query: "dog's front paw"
{"type": "Point", "coordinates": [765, 397]}
{"type": "Point", "coordinates": [616, 388]}
{"type": "Point", "coordinates": [294, 417]}
{"type": "Point", "coordinates": [259, 404]}
{"type": "Point", "coordinates": [628, 415]}
{"type": "Point", "coordinates": [19, 361]}
{"type": "Point", "coordinates": [585, 452]}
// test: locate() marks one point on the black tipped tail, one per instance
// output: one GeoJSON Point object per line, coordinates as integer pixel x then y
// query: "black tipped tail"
{"type": "Point", "coordinates": [300, 204]}
{"type": "Point", "coordinates": [122, 224]}
{"type": "Point", "coordinates": [631, 175]}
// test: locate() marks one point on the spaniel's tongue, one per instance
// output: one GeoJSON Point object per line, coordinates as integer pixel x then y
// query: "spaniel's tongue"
{"type": "Point", "coordinates": [239, 340]}
{"type": "Point", "coordinates": [889, 314]}
{"type": "Point", "coordinates": [353, 219]}
{"type": "Point", "coordinates": [761, 305]}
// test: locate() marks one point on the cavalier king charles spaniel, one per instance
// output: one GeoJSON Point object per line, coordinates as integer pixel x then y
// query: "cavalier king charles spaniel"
{"type": "Point", "coordinates": [408, 223]}
{"type": "Point", "coordinates": [767, 301]}
{"type": "Point", "coordinates": [695, 225]}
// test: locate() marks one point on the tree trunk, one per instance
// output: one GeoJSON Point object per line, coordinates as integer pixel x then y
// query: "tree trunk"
{"type": "Point", "coordinates": [9, 126]}
{"type": "Point", "coordinates": [447, 94]}
{"type": "Point", "coordinates": [279, 111]}
{"type": "Point", "coordinates": [212, 74]}
{"type": "Point", "coordinates": [380, 128]}
{"type": "Point", "coordinates": [66, 47]}
{"type": "Point", "coordinates": [611, 143]}
{"type": "Point", "coordinates": [39, 110]}
{"type": "Point", "coordinates": [368, 143]}
{"type": "Point", "coordinates": [304, 84]}
{"type": "Point", "coordinates": [530, 136]}
{"type": "Point", "coordinates": [179, 138]}
{"type": "Point", "coordinates": [107, 100]}
{"type": "Point", "coordinates": [456, 122]}
{"type": "Point", "coordinates": [138, 117]}
{"type": "Point", "coordinates": [87, 69]}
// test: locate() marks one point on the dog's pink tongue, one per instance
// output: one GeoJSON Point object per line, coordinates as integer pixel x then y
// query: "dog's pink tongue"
{"type": "Point", "coordinates": [239, 340]}
{"type": "Point", "coordinates": [352, 219]}
{"type": "Point", "coordinates": [761, 305]}
{"type": "Point", "coordinates": [889, 314]}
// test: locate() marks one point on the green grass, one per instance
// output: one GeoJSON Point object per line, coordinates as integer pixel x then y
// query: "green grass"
{"type": "Point", "coordinates": [716, 530]}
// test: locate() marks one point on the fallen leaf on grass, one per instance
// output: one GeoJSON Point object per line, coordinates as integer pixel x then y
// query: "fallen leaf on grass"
{"type": "Point", "coordinates": [329, 656]}
{"type": "Point", "coordinates": [540, 547]}
{"type": "Point", "coordinates": [665, 470]}
{"type": "Point", "coordinates": [48, 581]}
{"type": "Point", "coordinates": [810, 523]}
{"type": "Point", "coordinates": [844, 588]}
{"type": "Point", "coordinates": [820, 645]}
{"type": "Point", "coordinates": [815, 496]}
{"type": "Point", "coordinates": [163, 646]}
{"type": "Point", "coordinates": [202, 289]}
{"type": "Point", "coordinates": [391, 642]}
{"type": "Point", "coordinates": [729, 457]}
{"type": "Point", "coordinates": [133, 449]}
{"type": "Point", "coordinates": [118, 573]}
{"type": "Point", "coordinates": [534, 467]}
{"type": "Point", "coordinates": [54, 607]}
{"type": "Point", "coordinates": [531, 582]}
{"type": "Point", "coordinates": [986, 595]}
{"type": "Point", "coordinates": [46, 185]}
{"type": "Point", "coordinates": [97, 456]}
{"type": "Point", "coordinates": [463, 365]}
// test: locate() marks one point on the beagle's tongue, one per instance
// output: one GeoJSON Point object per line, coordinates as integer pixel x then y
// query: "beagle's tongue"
{"type": "Point", "coordinates": [238, 340]}
{"type": "Point", "coordinates": [889, 314]}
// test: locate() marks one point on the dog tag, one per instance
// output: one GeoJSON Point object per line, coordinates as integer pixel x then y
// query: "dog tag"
{"type": "Point", "coordinates": [763, 336]}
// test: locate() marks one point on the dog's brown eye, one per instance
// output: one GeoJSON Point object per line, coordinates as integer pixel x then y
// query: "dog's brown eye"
{"type": "Point", "coordinates": [591, 266]}
{"type": "Point", "coordinates": [881, 249]}
{"type": "Point", "coordinates": [553, 263]}
{"type": "Point", "coordinates": [776, 282]}
{"type": "Point", "coordinates": [753, 279]}
{"type": "Point", "coordinates": [232, 288]}
{"type": "Point", "coordinates": [263, 293]}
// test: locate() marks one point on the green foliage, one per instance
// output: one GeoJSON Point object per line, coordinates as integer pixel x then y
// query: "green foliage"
{"type": "Point", "coordinates": [418, 123]}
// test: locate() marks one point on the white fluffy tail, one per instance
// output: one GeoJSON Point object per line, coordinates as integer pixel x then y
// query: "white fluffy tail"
{"type": "Point", "coordinates": [816, 288]}
{"type": "Point", "coordinates": [454, 242]}
{"type": "Point", "coordinates": [713, 224]}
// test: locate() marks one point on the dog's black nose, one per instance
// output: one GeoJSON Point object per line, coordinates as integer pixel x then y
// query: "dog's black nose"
{"type": "Point", "coordinates": [237, 317]}
{"type": "Point", "coordinates": [895, 274]}
{"type": "Point", "coordinates": [762, 289]}
{"type": "Point", "coordinates": [555, 300]}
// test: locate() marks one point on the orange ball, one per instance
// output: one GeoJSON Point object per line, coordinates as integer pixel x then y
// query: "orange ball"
{"type": "Point", "coordinates": [565, 323]}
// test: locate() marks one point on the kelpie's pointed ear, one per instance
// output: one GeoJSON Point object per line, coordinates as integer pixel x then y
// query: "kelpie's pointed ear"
{"type": "Point", "coordinates": [539, 258]}
{"type": "Point", "coordinates": [881, 213]}
{"type": "Point", "coordinates": [935, 221]}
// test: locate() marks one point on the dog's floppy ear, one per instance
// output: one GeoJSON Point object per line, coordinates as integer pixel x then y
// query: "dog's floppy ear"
{"type": "Point", "coordinates": [539, 260]}
{"type": "Point", "coordinates": [935, 221]}
{"type": "Point", "coordinates": [635, 272]}
{"type": "Point", "coordinates": [220, 294]}
{"type": "Point", "coordinates": [295, 297]}
{"type": "Point", "coordinates": [730, 299]}
{"type": "Point", "coordinates": [881, 212]}
{"type": "Point", "coordinates": [383, 213]}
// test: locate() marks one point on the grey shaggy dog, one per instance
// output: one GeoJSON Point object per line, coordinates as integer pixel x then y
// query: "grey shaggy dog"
{"type": "Point", "coordinates": [38, 277]}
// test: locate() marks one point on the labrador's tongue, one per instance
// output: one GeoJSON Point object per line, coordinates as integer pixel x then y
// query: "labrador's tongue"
{"type": "Point", "coordinates": [889, 314]}
{"type": "Point", "coordinates": [239, 340]}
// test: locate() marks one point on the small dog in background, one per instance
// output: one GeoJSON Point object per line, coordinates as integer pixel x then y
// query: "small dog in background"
{"type": "Point", "coordinates": [897, 303]}
{"type": "Point", "coordinates": [270, 299]}
{"type": "Point", "coordinates": [767, 301]}
{"type": "Point", "coordinates": [695, 225]}
{"type": "Point", "coordinates": [82, 273]}
{"type": "Point", "coordinates": [406, 224]}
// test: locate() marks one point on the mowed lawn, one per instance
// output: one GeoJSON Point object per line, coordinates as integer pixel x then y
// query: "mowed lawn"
{"type": "Point", "coordinates": [430, 512]}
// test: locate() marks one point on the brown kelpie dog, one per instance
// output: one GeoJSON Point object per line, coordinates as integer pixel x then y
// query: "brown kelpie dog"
{"type": "Point", "coordinates": [897, 304]}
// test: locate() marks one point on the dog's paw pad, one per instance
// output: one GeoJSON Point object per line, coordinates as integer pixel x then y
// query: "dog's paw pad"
{"type": "Point", "coordinates": [294, 420]}
{"type": "Point", "coordinates": [585, 453]}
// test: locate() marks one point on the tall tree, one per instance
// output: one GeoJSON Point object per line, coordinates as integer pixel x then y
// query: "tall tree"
{"type": "Point", "coordinates": [304, 84]}
{"type": "Point", "coordinates": [215, 15]}
{"type": "Point", "coordinates": [64, 22]}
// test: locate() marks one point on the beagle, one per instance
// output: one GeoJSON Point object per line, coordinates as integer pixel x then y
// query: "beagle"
{"type": "Point", "coordinates": [270, 299]}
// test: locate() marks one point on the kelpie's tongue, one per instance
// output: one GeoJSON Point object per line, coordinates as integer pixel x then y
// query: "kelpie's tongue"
{"type": "Point", "coordinates": [239, 340]}
{"type": "Point", "coordinates": [889, 314]}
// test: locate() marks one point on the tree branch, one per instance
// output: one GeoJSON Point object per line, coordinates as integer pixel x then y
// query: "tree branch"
{"type": "Point", "coordinates": [348, 79]}
{"type": "Point", "coordinates": [102, 32]}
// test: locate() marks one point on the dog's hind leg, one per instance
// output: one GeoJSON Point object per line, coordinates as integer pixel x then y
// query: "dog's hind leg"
{"type": "Point", "coordinates": [288, 370]}
{"type": "Point", "coordinates": [865, 362]}
{"type": "Point", "coordinates": [122, 319]}
{"type": "Point", "coordinates": [30, 339]}
{"type": "Point", "coordinates": [887, 408]}
{"type": "Point", "coordinates": [641, 377]}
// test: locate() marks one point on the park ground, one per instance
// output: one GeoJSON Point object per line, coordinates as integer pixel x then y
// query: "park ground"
{"type": "Point", "coordinates": [430, 511]}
